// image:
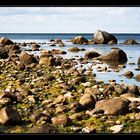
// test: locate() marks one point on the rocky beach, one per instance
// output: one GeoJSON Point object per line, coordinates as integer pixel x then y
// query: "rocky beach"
{"type": "Point", "coordinates": [44, 91]}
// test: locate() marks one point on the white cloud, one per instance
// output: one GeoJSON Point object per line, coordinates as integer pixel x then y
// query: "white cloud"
{"type": "Point", "coordinates": [69, 19]}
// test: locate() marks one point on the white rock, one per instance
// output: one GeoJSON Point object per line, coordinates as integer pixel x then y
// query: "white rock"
{"type": "Point", "coordinates": [68, 95]}
{"type": "Point", "coordinates": [101, 89]}
{"type": "Point", "coordinates": [85, 130]}
{"type": "Point", "coordinates": [133, 99]}
{"type": "Point", "coordinates": [116, 128]}
{"type": "Point", "coordinates": [87, 84]}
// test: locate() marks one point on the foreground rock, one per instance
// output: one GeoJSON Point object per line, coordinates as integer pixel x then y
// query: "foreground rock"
{"type": "Point", "coordinates": [8, 116]}
{"type": "Point", "coordinates": [130, 42]}
{"type": "Point", "coordinates": [116, 55]}
{"type": "Point", "coordinates": [6, 41]}
{"type": "Point", "coordinates": [46, 128]}
{"type": "Point", "coordinates": [87, 101]}
{"type": "Point", "coordinates": [61, 120]}
{"type": "Point", "coordinates": [102, 37]}
{"type": "Point", "coordinates": [115, 106]}
{"type": "Point", "coordinates": [79, 40]}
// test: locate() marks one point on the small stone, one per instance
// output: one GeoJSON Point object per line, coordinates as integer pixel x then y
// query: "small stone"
{"type": "Point", "coordinates": [116, 128]}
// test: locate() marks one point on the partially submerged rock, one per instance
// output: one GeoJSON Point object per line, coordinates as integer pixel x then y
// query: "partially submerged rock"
{"type": "Point", "coordinates": [102, 37]}
{"type": "Point", "coordinates": [130, 42]}
{"type": "Point", "coordinates": [79, 40]}
{"type": "Point", "coordinates": [129, 74]}
{"type": "Point", "coordinates": [91, 54]}
{"type": "Point", "coordinates": [116, 55]}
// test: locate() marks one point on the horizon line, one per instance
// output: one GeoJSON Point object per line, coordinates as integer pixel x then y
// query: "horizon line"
{"type": "Point", "coordinates": [65, 33]}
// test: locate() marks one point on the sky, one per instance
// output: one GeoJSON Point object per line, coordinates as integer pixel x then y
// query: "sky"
{"type": "Point", "coordinates": [69, 19]}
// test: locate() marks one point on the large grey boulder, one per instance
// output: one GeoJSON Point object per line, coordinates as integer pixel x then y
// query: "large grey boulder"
{"type": "Point", "coordinates": [103, 37]}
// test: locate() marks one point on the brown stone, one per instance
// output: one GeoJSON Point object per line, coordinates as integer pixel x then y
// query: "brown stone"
{"type": "Point", "coordinates": [61, 120]}
{"type": "Point", "coordinates": [115, 106]}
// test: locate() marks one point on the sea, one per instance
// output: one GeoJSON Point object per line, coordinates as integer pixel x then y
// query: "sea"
{"type": "Point", "coordinates": [132, 51]}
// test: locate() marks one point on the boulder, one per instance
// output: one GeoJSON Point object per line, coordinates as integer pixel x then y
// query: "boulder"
{"type": "Point", "coordinates": [115, 106]}
{"type": "Point", "coordinates": [61, 120]}
{"type": "Point", "coordinates": [26, 58]}
{"type": "Point", "coordinates": [47, 61]}
{"type": "Point", "coordinates": [87, 101]}
{"type": "Point", "coordinates": [6, 41]}
{"type": "Point", "coordinates": [79, 40]}
{"type": "Point", "coordinates": [102, 37]}
{"type": "Point", "coordinates": [91, 54]}
{"type": "Point", "coordinates": [116, 55]}
{"type": "Point", "coordinates": [9, 116]}
{"type": "Point", "coordinates": [130, 42]}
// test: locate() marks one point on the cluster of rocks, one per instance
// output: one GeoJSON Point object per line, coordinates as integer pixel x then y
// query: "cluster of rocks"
{"type": "Point", "coordinates": [101, 37]}
{"type": "Point", "coordinates": [46, 93]}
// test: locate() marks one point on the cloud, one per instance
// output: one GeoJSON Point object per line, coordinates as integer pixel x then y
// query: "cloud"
{"type": "Point", "coordinates": [69, 19]}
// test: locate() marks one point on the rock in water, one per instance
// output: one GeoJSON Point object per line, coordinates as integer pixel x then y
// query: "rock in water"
{"type": "Point", "coordinates": [102, 37]}
{"type": "Point", "coordinates": [130, 42]}
{"type": "Point", "coordinates": [129, 74]}
{"type": "Point", "coordinates": [79, 40]}
{"type": "Point", "coordinates": [91, 54]}
{"type": "Point", "coordinates": [116, 55]}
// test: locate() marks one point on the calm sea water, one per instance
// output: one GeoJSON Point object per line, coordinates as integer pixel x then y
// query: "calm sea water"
{"type": "Point", "coordinates": [132, 51]}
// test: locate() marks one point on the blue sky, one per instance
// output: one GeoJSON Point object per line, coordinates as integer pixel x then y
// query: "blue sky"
{"type": "Point", "coordinates": [69, 19]}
